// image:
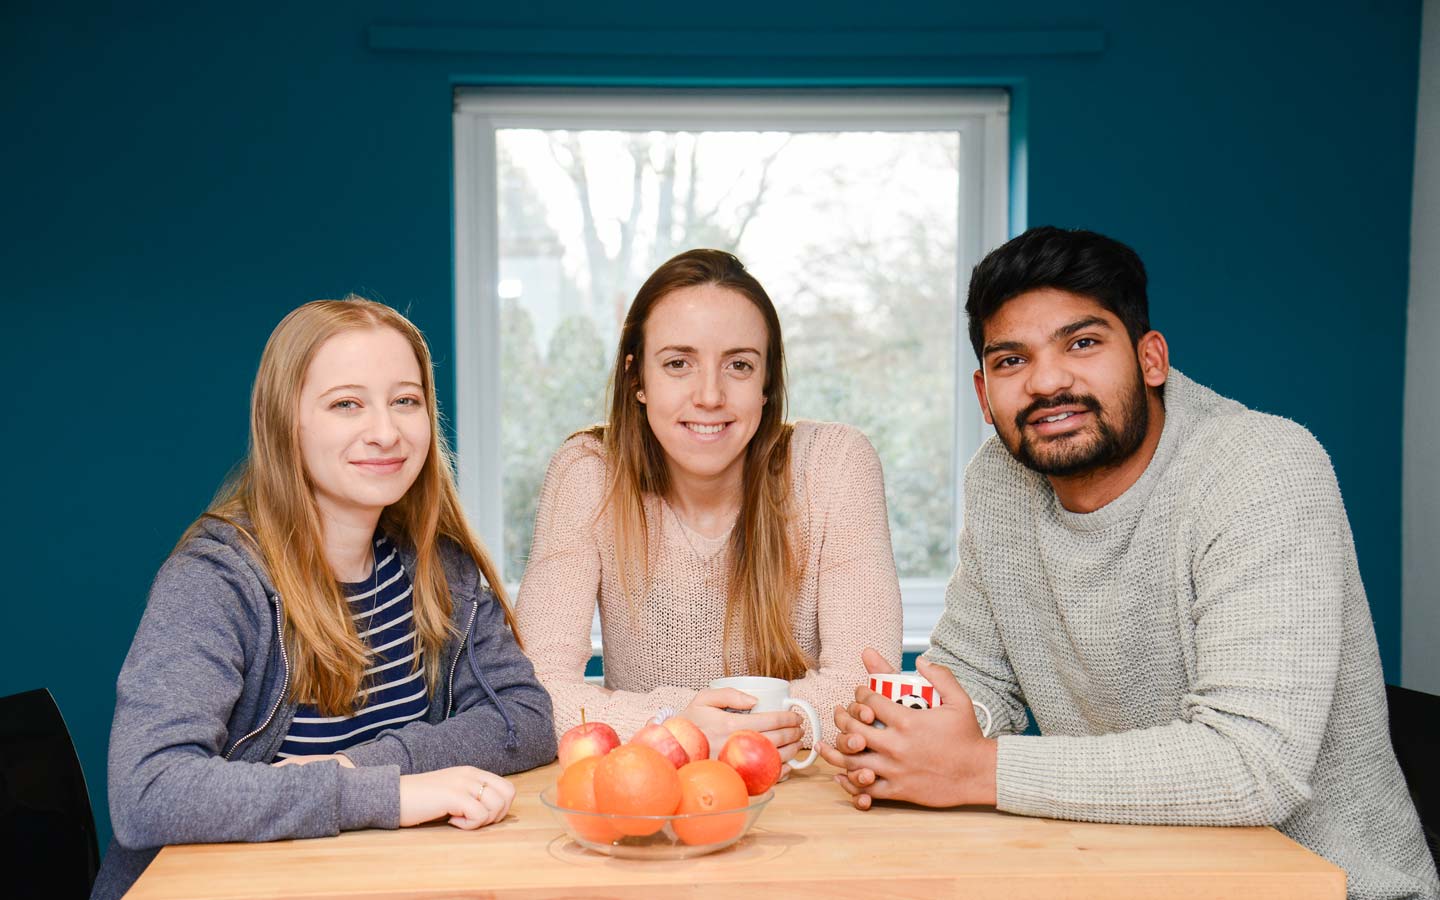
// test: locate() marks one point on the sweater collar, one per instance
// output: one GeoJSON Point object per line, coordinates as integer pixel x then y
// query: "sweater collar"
{"type": "Point", "coordinates": [1177, 390]}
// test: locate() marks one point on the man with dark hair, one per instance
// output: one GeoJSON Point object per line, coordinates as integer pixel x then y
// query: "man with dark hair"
{"type": "Point", "coordinates": [1164, 577]}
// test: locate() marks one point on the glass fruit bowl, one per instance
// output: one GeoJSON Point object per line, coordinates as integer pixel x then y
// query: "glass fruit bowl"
{"type": "Point", "coordinates": [664, 837]}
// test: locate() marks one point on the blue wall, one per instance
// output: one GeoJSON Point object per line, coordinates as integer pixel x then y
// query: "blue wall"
{"type": "Point", "coordinates": [176, 179]}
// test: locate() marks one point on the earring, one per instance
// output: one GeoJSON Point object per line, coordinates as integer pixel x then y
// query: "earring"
{"type": "Point", "coordinates": [640, 395]}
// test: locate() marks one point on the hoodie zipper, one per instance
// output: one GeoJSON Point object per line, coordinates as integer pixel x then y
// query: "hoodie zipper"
{"type": "Point", "coordinates": [470, 623]}
{"type": "Point", "coordinates": [284, 684]}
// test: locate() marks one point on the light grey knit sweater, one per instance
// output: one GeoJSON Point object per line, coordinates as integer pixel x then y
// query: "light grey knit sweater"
{"type": "Point", "coordinates": [1198, 651]}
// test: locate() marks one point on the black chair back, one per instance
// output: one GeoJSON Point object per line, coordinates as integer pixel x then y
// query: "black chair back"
{"type": "Point", "coordinates": [1415, 732]}
{"type": "Point", "coordinates": [46, 826]}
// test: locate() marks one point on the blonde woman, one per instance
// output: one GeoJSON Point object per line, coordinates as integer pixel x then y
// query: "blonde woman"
{"type": "Point", "coordinates": [328, 647]}
{"type": "Point", "coordinates": [716, 538]}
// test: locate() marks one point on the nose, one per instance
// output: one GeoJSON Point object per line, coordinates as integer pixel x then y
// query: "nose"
{"type": "Point", "coordinates": [380, 428]}
{"type": "Point", "coordinates": [710, 391]}
{"type": "Point", "coordinates": [1048, 375]}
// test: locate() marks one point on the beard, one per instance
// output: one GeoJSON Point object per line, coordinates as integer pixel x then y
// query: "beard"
{"type": "Point", "coordinates": [1100, 446]}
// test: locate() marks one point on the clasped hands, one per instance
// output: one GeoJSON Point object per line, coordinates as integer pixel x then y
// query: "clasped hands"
{"type": "Point", "coordinates": [933, 757]}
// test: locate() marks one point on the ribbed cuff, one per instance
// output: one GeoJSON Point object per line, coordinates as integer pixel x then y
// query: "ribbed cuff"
{"type": "Point", "coordinates": [1023, 769]}
{"type": "Point", "coordinates": [369, 797]}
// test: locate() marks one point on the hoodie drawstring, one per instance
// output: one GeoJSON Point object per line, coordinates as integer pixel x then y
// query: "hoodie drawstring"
{"type": "Point", "coordinates": [512, 740]}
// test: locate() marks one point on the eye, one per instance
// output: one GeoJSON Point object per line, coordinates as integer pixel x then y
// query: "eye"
{"type": "Point", "coordinates": [1006, 362]}
{"type": "Point", "coordinates": [408, 401]}
{"type": "Point", "coordinates": [345, 404]}
{"type": "Point", "coordinates": [675, 364]}
{"type": "Point", "coordinates": [742, 365]}
{"type": "Point", "coordinates": [1084, 343]}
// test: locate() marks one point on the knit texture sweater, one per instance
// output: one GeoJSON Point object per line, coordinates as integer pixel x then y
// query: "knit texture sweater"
{"type": "Point", "coordinates": [661, 652]}
{"type": "Point", "coordinates": [1198, 651]}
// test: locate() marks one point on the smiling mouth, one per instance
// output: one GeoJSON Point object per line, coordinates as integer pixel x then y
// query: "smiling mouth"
{"type": "Point", "coordinates": [380, 463]}
{"type": "Point", "coordinates": [1059, 410]}
{"type": "Point", "coordinates": [700, 428]}
{"type": "Point", "coordinates": [1055, 424]}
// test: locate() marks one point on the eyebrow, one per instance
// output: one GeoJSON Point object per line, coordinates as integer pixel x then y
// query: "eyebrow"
{"type": "Point", "coordinates": [361, 387]}
{"type": "Point", "coordinates": [679, 348]}
{"type": "Point", "coordinates": [1063, 331]}
{"type": "Point", "coordinates": [1081, 325]}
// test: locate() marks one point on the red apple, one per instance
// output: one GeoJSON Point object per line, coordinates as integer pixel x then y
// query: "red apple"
{"type": "Point", "coordinates": [696, 745]}
{"type": "Point", "coordinates": [586, 739]}
{"type": "Point", "coordinates": [752, 755]}
{"type": "Point", "coordinates": [659, 739]}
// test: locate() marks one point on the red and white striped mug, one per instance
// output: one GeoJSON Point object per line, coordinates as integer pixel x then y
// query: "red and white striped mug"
{"type": "Point", "coordinates": [914, 691]}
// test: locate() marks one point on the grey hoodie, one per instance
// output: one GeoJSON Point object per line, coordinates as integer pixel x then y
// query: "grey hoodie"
{"type": "Point", "coordinates": [202, 706]}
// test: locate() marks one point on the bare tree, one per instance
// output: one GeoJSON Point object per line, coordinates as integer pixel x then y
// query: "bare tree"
{"type": "Point", "coordinates": [658, 159]}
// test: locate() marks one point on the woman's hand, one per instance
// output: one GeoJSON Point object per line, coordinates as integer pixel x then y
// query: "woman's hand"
{"type": "Point", "coordinates": [340, 758]}
{"type": "Point", "coordinates": [470, 797]}
{"type": "Point", "coordinates": [708, 711]}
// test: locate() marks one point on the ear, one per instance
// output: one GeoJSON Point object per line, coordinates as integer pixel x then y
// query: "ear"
{"type": "Point", "coordinates": [983, 397]}
{"type": "Point", "coordinates": [1154, 355]}
{"type": "Point", "coordinates": [640, 392]}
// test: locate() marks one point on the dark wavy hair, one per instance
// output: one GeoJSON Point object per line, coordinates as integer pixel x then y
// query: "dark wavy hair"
{"type": "Point", "coordinates": [1080, 262]}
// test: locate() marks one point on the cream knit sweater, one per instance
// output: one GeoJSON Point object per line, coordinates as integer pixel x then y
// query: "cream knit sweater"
{"type": "Point", "coordinates": [1198, 651]}
{"type": "Point", "coordinates": [669, 647]}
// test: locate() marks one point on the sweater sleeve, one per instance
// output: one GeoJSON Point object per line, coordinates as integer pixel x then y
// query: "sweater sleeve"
{"type": "Point", "coordinates": [476, 730]}
{"type": "Point", "coordinates": [559, 593]}
{"type": "Point", "coordinates": [169, 782]}
{"type": "Point", "coordinates": [967, 642]}
{"type": "Point", "coordinates": [857, 590]}
{"type": "Point", "coordinates": [1270, 552]}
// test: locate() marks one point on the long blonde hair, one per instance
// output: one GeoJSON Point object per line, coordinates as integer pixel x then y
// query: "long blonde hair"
{"type": "Point", "coordinates": [763, 567]}
{"type": "Point", "coordinates": [271, 502]}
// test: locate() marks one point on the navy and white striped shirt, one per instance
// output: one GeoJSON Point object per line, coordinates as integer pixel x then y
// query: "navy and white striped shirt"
{"type": "Point", "coordinates": [383, 610]}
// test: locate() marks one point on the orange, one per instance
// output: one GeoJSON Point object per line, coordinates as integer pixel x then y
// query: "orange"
{"type": "Point", "coordinates": [576, 790]}
{"type": "Point", "coordinates": [709, 785]}
{"type": "Point", "coordinates": [633, 780]}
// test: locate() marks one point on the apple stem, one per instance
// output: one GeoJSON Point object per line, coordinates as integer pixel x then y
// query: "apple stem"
{"type": "Point", "coordinates": [582, 715]}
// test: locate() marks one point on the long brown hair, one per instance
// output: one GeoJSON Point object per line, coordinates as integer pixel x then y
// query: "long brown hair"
{"type": "Point", "coordinates": [271, 502]}
{"type": "Point", "coordinates": [763, 567]}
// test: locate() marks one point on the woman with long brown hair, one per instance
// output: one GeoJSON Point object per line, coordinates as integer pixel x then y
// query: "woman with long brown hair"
{"type": "Point", "coordinates": [328, 646]}
{"type": "Point", "coordinates": [716, 537]}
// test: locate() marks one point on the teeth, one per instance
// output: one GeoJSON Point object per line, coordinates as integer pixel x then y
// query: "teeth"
{"type": "Point", "coordinates": [704, 429]}
{"type": "Point", "coordinates": [1057, 418]}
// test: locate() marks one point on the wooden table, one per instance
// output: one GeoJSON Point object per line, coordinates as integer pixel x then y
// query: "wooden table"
{"type": "Point", "coordinates": [809, 841]}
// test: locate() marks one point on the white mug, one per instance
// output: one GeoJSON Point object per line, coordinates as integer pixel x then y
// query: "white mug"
{"type": "Point", "coordinates": [773, 695]}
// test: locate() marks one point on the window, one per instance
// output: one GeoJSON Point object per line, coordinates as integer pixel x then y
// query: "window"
{"type": "Point", "coordinates": [861, 213]}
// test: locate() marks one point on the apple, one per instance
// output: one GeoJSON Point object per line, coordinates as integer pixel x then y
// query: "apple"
{"type": "Point", "coordinates": [659, 739]}
{"type": "Point", "coordinates": [586, 739]}
{"type": "Point", "coordinates": [696, 744]}
{"type": "Point", "coordinates": [752, 755]}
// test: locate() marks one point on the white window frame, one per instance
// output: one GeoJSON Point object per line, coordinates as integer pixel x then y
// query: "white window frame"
{"type": "Point", "coordinates": [980, 116]}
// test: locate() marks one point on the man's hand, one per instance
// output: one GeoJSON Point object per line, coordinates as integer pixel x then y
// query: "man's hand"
{"type": "Point", "coordinates": [875, 664]}
{"type": "Point", "coordinates": [934, 757]}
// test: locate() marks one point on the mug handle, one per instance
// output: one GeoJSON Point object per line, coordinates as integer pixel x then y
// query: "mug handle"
{"type": "Point", "coordinates": [989, 719]}
{"type": "Point", "coordinates": [809, 712]}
